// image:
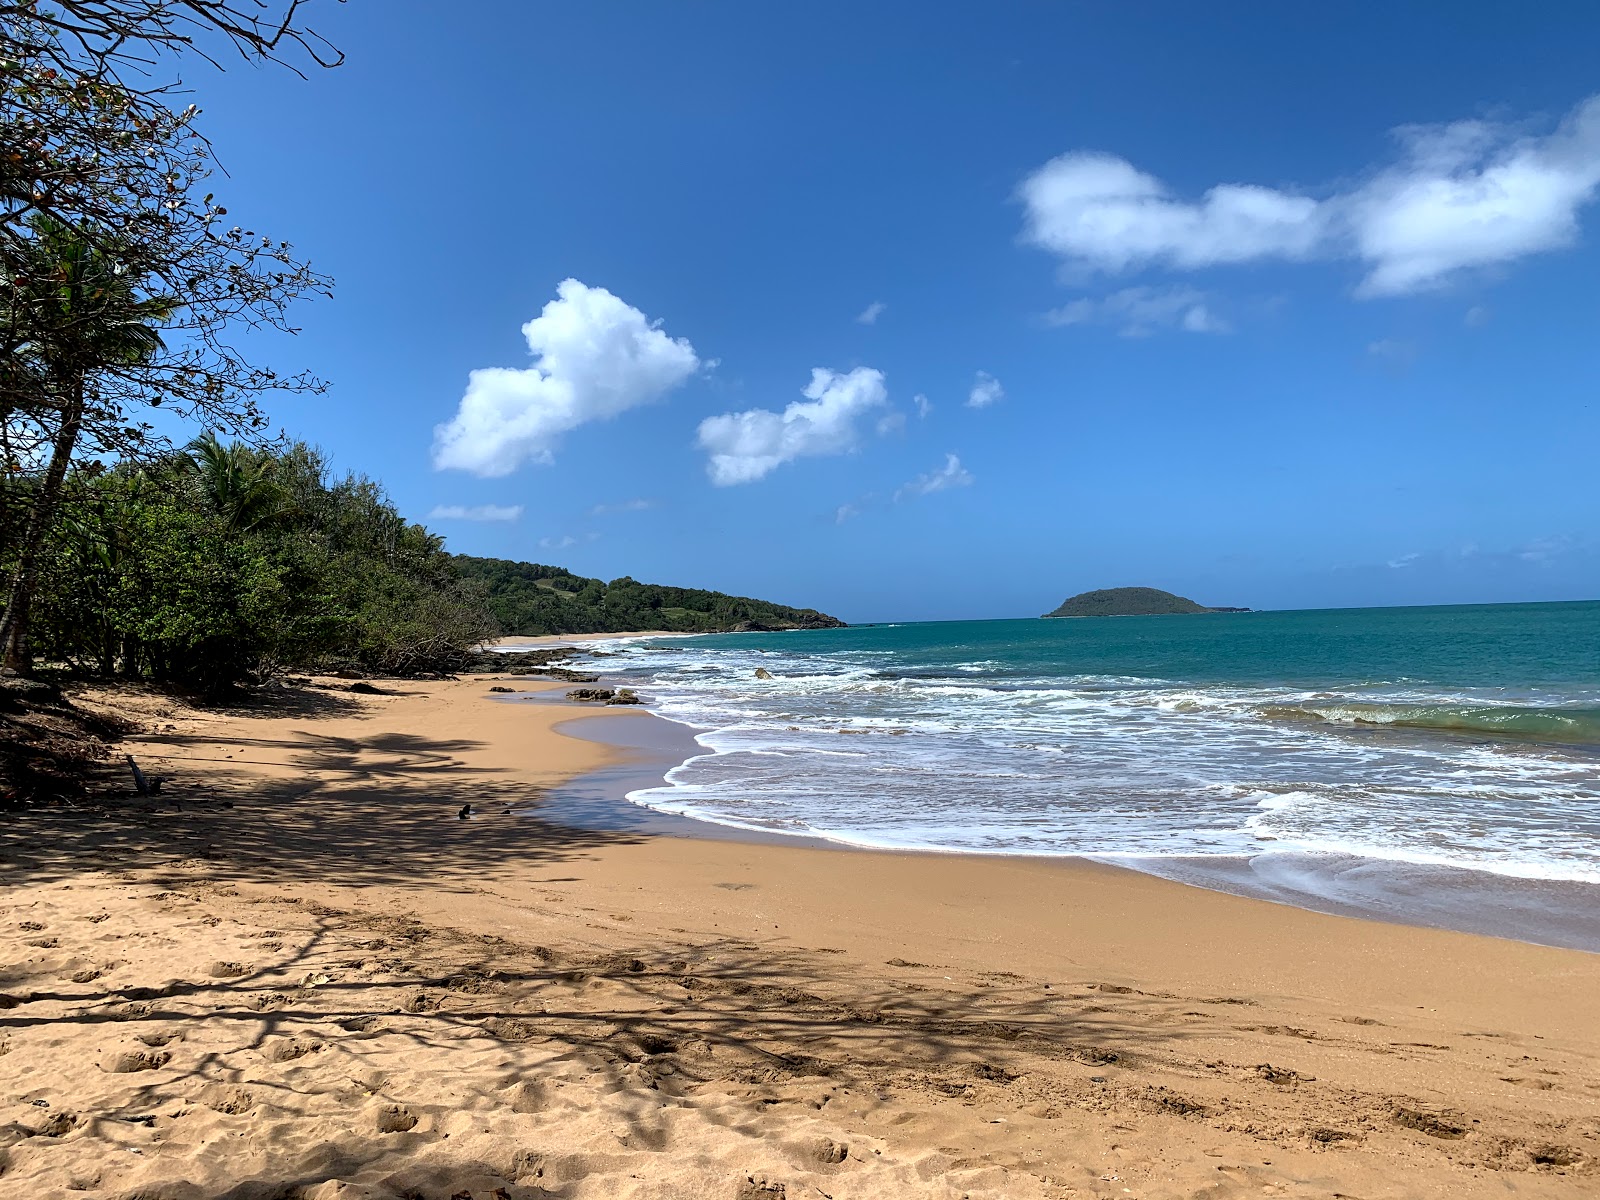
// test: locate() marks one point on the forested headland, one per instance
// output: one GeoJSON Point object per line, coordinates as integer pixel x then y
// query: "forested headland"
{"type": "Point", "coordinates": [529, 598]}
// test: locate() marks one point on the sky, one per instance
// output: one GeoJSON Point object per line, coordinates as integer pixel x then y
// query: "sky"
{"type": "Point", "coordinates": [916, 311]}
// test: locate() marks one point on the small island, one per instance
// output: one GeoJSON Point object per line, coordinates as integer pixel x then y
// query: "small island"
{"type": "Point", "coordinates": [1131, 602]}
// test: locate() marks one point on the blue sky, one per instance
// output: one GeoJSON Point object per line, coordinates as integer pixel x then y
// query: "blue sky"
{"type": "Point", "coordinates": [1291, 308]}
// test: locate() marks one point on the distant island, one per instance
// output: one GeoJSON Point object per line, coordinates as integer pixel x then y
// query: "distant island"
{"type": "Point", "coordinates": [1131, 602]}
{"type": "Point", "coordinates": [531, 598]}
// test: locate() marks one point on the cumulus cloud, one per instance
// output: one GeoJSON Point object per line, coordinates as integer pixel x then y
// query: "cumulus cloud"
{"type": "Point", "coordinates": [594, 356]}
{"type": "Point", "coordinates": [986, 390]}
{"type": "Point", "coordinates": [747, 446]}
{"type": "Point", "coordinates": [951, 475]}
{"type": "Point", "coordinates": [924, 405]}
{"type": "Point", "coordinates": [477, 512]}
{"type": "Point", "coordinates": [1139, 311]}
{"type": "Point", "coordinates": [870, 314]}
{"type": "Point", "coordinates": [1459, 197]}
{"type": "Point", "coordinates": [1101, 213]}
{"type": "Point", "coordinates": [557, 543]}
{"type": "Point", "coordinates": [622, 506]}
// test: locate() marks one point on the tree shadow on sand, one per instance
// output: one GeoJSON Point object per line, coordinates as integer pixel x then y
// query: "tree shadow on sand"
{"type": "Point", "coordinates": [648, 1029]}
{"type": "Point", "coordinates": [300, 806]}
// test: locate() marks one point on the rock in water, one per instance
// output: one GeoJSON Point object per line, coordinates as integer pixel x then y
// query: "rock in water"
{"type": "Point", "coordinates": [763, 673]}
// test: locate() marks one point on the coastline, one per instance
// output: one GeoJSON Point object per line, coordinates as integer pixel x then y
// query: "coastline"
{"type": "Point", "coordinates": [1393, 882]}
{"type": "Point", "coordinates": [593, 1012]}
{"type": "Point", "coordinates": [1549, 913]}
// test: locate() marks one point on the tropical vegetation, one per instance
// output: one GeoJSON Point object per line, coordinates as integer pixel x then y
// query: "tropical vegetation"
{"type": "Point", "coordinates": [530, 598]}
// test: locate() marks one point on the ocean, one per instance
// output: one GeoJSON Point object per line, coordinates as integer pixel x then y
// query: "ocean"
{"type": "Point", "coordinates": [1439, 765]}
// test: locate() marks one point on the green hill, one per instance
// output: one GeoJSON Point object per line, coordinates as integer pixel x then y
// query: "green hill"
{"type": "Point", "coordinates": [530, 598]}
{"type": "Point", "coordinates": [1131, 602]}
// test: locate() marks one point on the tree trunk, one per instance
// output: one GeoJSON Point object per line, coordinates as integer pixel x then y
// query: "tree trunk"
{"type": "Point", "coordinates": [15, 651]}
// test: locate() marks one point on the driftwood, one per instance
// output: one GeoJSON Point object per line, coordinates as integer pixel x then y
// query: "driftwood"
{"type": "Point", "coordinates": [146, 785]}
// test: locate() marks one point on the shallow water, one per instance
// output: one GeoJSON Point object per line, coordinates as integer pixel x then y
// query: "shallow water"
{"type": "Point", "coordinates": [1282, 754]}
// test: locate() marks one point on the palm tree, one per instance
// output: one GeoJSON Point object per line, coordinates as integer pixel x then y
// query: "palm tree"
{"type": "Point", "coordinates": [238, 481]}
{"type": "Point", "coordinates": [69, 311]}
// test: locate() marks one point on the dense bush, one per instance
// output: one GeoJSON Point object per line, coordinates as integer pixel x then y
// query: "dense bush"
{"type": "Point", "coordinates": [226, 563]}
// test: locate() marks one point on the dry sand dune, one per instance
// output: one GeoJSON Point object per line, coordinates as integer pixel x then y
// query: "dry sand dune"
{"type": "Point", "coordinates": [299, 975]}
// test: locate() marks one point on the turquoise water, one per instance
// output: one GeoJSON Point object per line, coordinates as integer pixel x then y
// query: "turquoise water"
{"type": "Point", "coordinates": [1290, 743]}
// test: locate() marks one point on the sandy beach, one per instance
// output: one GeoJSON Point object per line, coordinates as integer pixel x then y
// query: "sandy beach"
{"type": "Point", "coordinates": [299, 972]}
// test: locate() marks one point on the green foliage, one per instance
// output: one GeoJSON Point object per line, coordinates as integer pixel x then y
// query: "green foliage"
{"type": "Point", "coordinates": [529, 598]}
{"type": "Point", "coordinates": [227, 563]}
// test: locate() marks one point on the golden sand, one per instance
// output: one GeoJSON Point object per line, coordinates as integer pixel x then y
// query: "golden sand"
{"type": "Point", "coordinates": [299, 973]}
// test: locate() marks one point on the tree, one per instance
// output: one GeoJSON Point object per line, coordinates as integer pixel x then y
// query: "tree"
{"type": "Point", "coordinates": [93, 155]}
{"type": "Point", "coordinates": [240, 483]}
{"type": "Point", "coordinates": [72, 312]}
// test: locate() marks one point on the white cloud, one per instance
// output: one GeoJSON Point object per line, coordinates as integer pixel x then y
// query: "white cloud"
{"type": "Point", "coordinates": [894, 422]}
{"type": "Point", "coordinates": [870, 314]}
{"type": "Point", "coordinates": [1470, 194]}
{"type": "Point", "coordinates": [623, 506]}
{"type": "Point", "coordinates": [1101, 213]}
{"type": "Point", "coordinates": [924, 405]}
{"type": "Point", "coordinates": [1462, 196]}
{"type": "Point", "coordinates": [594, 357]}
{"type": "Point", "coordinates": [746, 446]}
{"type": "Point", "coordinates": [1477, 317]}
{"type": "Point", "coordinates": [845, 512]}
{"type": "Point", "coordinates": [1403, 561]}
{"type": "Point", "coordinates": [986, 390]}
{"type": "Point", "coordinates": [1139, 311]}
{"type": "Point", "coordinates": [560, 543]}
{"type": "Point", "coordinates": [1543, 550]}
{"type": "Point", "coordinates": [951, 475]}
{"type": "Point", "coordinates": [478, 512]}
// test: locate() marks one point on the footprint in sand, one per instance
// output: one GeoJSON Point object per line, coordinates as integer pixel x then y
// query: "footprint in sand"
{"type": "Point", "coordinates": [1542, 1085]}
{"type": "Point", "coordinates": [130, 1061]}
{"type": "Point", "coordinates": [233, 1101]}
{"type": "Point", "coordinates": [287, 1049]}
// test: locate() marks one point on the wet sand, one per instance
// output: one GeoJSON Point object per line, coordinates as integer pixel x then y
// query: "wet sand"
{"type": "Point", "coordinates": [340, 986]}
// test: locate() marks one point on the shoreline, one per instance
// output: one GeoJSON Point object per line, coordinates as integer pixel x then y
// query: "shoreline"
{"type": "Point", "coordinates": [1553, 913]}
{"type": "Point", "coordinates": [305, 971]}
{"type": "Point", "coordinates": [1562, 914]}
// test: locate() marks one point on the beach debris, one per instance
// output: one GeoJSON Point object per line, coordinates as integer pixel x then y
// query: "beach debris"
{"type": "Point", "coordinates": [752, 1188]}
{"type": "Point", "coordinates": [145, 785]}
{"type": "Point", "coordinates": [826, 1150]}
{"type": "Point", "coordinates": [395, 1118]}
{"type": "Point", "coordinates": [1435, 1124]}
